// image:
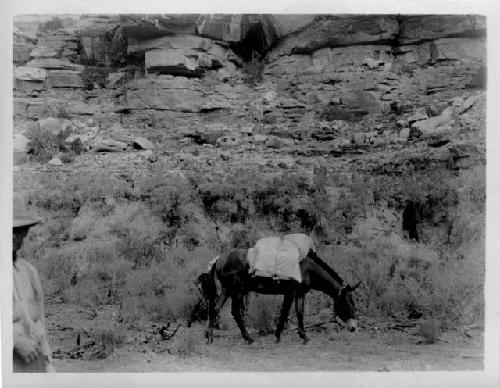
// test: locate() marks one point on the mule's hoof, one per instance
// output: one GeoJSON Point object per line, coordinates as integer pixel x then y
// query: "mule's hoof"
{"type": "Point", "coordinates": [250, 341]}
{"type": "Point", "coordinates": [305, 341]}
{"type": "Point", "coordinates": [278, 340]}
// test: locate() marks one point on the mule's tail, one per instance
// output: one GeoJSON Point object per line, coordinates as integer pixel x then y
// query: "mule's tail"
{"type": "Point", "coordinates": [208, 282]}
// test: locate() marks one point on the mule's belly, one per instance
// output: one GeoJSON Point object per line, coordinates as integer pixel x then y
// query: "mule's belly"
{"type": "Point", "coordinates": [272, 286]}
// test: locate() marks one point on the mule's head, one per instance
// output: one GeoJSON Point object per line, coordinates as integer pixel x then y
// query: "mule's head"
{"type": "Point", "coordinates": [344, 307]}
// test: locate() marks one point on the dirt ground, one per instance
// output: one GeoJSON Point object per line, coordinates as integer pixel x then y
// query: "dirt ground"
{"type": "Point", "coordinates": [376, 346]}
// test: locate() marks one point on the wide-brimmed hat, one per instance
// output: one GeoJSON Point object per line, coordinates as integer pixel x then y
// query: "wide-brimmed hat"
{"type": "Point", "coordinates": [21, 217]}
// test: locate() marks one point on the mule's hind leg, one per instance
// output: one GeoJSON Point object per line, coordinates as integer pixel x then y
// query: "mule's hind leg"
{"type": "Point", "coordinates": [285, 310]}
{"type": "Point", "coordinates": [299, 310]}
{"type": "Point", "coordinates": [214, 306]}
{"type": "Point", "coordinates": [237, 310]}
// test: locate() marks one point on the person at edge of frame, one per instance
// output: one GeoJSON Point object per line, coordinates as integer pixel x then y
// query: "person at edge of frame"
{"type": "Point", "coordinates": [31, 351]}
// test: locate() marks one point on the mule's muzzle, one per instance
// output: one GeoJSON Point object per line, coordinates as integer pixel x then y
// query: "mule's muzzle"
{"type": "Point", "coordinates": [352, 325]}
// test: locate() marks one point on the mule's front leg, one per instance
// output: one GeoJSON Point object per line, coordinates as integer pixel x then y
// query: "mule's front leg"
{"type": "Point", "coordinates": [237, 310]}
{"type": "Point", "coordinates": [299, 310]}
{"type": "Point", "coordinates": [285, 310]}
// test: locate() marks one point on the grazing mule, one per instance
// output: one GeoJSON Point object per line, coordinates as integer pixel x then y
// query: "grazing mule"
{"type": "Point", "coordinates": [232, 272]}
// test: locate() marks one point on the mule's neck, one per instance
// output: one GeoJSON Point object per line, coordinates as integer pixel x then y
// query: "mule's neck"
{"type": "Point", "coordinates": [323, 281]}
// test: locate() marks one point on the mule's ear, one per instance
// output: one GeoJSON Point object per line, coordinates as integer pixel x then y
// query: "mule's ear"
{"type": "Point", "coordinates": [352, 288]}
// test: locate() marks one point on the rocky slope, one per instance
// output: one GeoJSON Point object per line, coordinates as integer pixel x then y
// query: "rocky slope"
{"type": "Point", "coordinates": [378, 94]}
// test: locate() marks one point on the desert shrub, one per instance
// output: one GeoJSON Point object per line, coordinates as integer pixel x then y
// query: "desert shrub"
{"type": "Point", "coordinates": [165, 290]}
{"type": "Point", "coordinates": [87, 272]}
{"type": "Point", "coordinates": [44, 145]}
{"type": "Point", "coordinates": [94, 75]}
{"type": "Point", "coordinates": [479, 79]}
{"type": "Point", "coordinates": [263, 312]}
{"type": "Point", "coordinates": [107, 339]}
{"type": "Point", "coordinates": [253, 69]}
{"type": "Point", "coordinates": [137, 229]}
{"type": "Point", "coordinates": [60, 111]}
{"type": "Point", "coordinates": [289, 201]}
{"type": "Point", "coordinates": [117, 48]}
{"type": "Point", "coordinates": [56, 270]}
{"type": "Point", "coordinates": [168, 195]}
{"type": "Point", "coordinates": [414, 276]}
{"type": "Point", "coordinates": [61, 193]}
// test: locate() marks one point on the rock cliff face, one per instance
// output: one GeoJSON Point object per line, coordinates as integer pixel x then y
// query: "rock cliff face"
{"type": "Point", "coordinates": [380, 94]}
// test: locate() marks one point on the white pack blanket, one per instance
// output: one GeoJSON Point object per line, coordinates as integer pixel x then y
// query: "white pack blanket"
{"type": "Point", "coordinates": [275, 257]}
{"type": "Point", "coordinates": [303, 242]}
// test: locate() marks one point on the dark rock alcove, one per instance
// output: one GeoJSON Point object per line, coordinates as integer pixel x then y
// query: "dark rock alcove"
{"type": "Point", "coordinates": [410, 220]}
{"type": "Point", "coordinates": [260, 34]}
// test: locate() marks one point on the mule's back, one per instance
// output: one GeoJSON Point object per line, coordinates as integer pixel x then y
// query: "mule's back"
{"type": "Point", "coordinates": [233, 261]}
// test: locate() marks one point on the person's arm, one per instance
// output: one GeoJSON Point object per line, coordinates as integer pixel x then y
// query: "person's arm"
{"type": "Point", "coordinates": [24, 346]}
{"type": "Point", "coordinates": [41, 334]}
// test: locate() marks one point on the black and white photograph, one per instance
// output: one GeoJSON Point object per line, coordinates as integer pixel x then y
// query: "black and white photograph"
{"type": "Point", "coordinates": [255, 192]}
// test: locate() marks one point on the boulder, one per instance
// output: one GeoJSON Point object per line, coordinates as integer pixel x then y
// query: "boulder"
{"type": "Point", "coordinates": [27, 73]}
{"type": "Point", "coordinates": [108, 145]}
{"type": "Point", "coordinates": [258, 138]}
{"type": "Point", "coordinates": [373, 63]}
{"type": "Point", "coordinates": [457, 101]}
{"type": "Point", "coordinates": [64, 79]}
{"type": "Point", "coordinates": [228, 28]}
{"type": "Point", "coordinates": [148, 155]}
{"type": "Point", "coordinates": [467, 104]}
{"type": "Point", "coordinates": [22, 46]}
{"type": "Point", "coordinates": [358, 138]}
{"type": "Point", "coordinates": [44, 52]}
{"type": "Point", "coordinates": [338, 31]}
{"type": "Point", "coordinates": [420, 28]}
{"type": "Point", "coordinates": [55, 162]}
{"type": "Point", "coordinates": [117, 132]}
{"type": "Point", "coordinates": [21, 53]}
{"type": "Point", "coordinates": [225, 156]}
{"type": "Point", "coordinates": [154, 26]}
{"type": "Point", "coordinates": [144, 144]}
{"type": "Point", "coordinates": [289, 64]}
{"type": "Point", "coordinates": [402, 123]}
{"type": "Point", "coordinates": [417, 54]}
{"type": "Point", "coordinates": [28, 86]}
{"type": "Point", "coordinates": [458, 49]}
{"type": "Point", "coordinates": [436, 108]}
{"type": "Point", "coordinates": [404, 134]}
{"type": "Point", "coordinates": [286, 24]}
{"type": "Point", "coordinates": [173, 94]}
{"type": "Point", "coordinates": [419, 115]}
{"type": "Point", "coordinates": [63, 42]}
{"type": "Point", "coordinates": [54, 64]}
{"type": "Point", "coordinates": [435, 126]}
{"type": "Point", "coordinates": [183, 62]}
{"type": "Point", "coordinates": [354, 98]}
{"type": "Point", "coordinates": [136, 46]}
